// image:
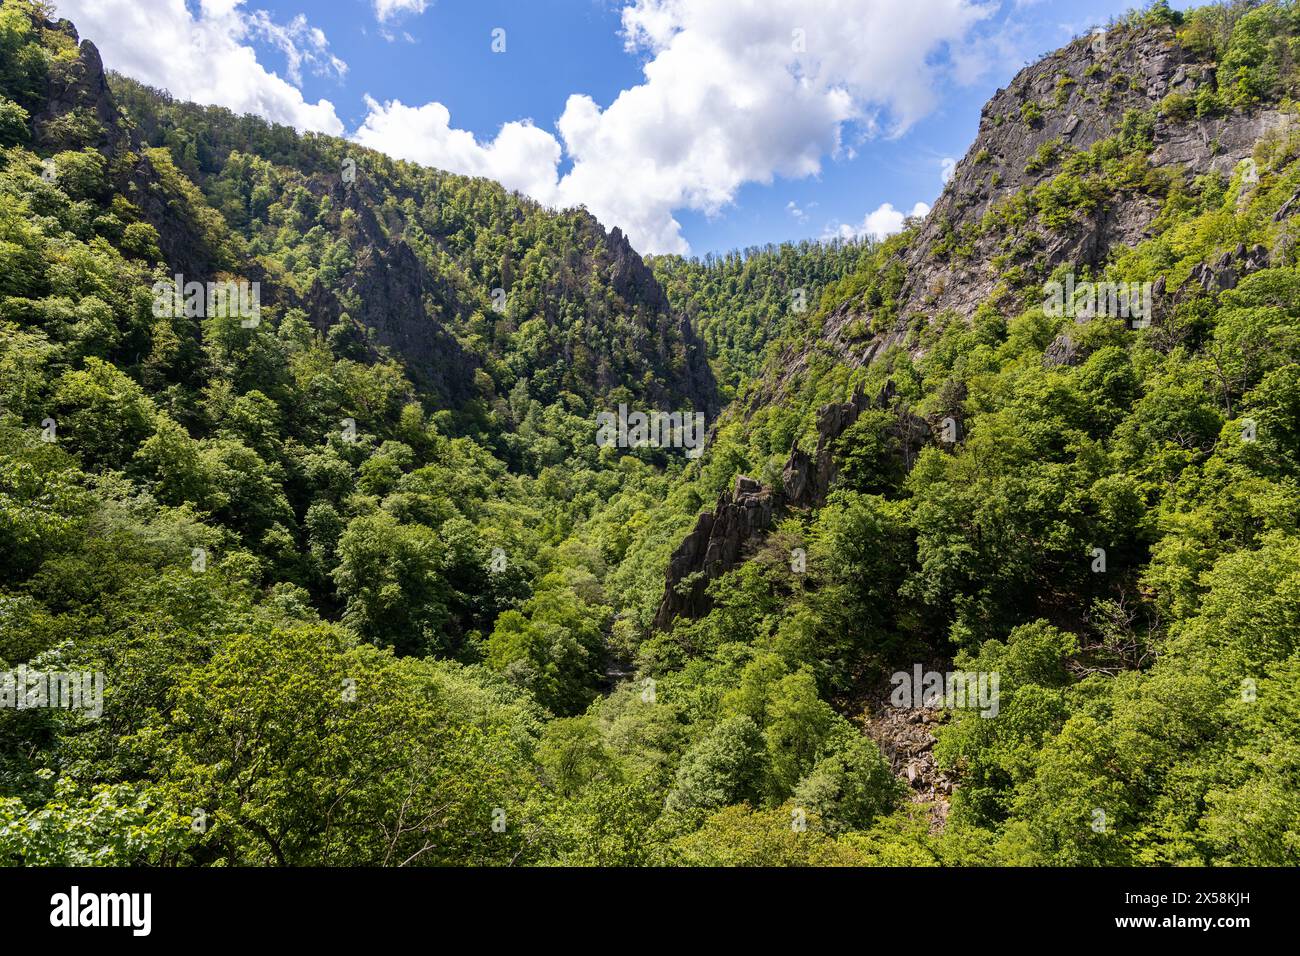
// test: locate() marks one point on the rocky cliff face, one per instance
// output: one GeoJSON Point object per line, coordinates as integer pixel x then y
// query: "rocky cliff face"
{"type": "Point", "coordinates": [635, 283]}
{"type": "Point", "coordinates": [1067, 102]}
{"type": "Point", "coordinates": [1073, 99]}
{"type": "Point", "coordinates": [715, 546]}
{"type": "Point", "coordinates": [396, 304]}
{"type": "Point", "coordinates": [808, 479]}
{"type": "Point", "coordinates": [400, 305]}
{"type": "Point", "coordinates": [629, 276]}
{"type": "Point", "coordinates": [78, 86]}
{"type": "Point", "coordinates": [78, 90]}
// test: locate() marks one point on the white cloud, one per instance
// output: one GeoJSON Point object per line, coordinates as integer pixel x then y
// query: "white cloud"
{"type": "Point", "coordinates": [733, 93]}
{"type": "Point", "coordinates": [947, 166]}
{"type": "Point", "coordinates": [883, 221]}
{"type": "Point", "coordinates": [207, 59]}
{"type": "Point", "coordinates": [385, 10]}
{"type": "Point", "coordinates": [521, 157]}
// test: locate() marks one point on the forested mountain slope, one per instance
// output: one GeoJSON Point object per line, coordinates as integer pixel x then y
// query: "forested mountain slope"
{"type": "Point", "coordinates": [389, 444]}
{"type": "Point", "coordinates": [1074, 158]}
{"type": "Point", "coordinates": [939, 461]}
{"type": "Point", "coordinates": [363, 587]}
{"type": "Point", "coordinates": [392, 251]}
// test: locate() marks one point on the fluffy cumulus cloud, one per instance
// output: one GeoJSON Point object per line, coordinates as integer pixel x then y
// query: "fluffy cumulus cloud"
{"type": "Point", "coordinates": [521, 156]}
{"type": "Point", "coordinates": [884, 221]}
{"type": "Point", "coordinates": [300, 42]}
{"type": "Point", "coordinates": [733, 93]}
{"type": "Point", "coordinates": [207, 57]}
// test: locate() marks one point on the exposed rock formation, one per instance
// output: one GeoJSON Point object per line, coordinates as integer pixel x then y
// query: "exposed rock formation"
{"type": "Point", "coordinates": [1229, 269]}
{"type": "Point", "coordinates": [906, 738]}
{"type": "Point", "coordinates": [1083, 92]}
{"type": "Point", "coordinates": [635, 283]}
{"type": "Point", "coordinates": [714, 547]}
{"type": "Point", "coordinates": [630, 277]}
{"type": "Point", "coordinates": [395, 297]}
{"type": "Point", "coordinates": [808, 479]}
{"type": "Point", "coordinates": [77, 90]}
{"type": "Point", "coordinates": [76, 86]}
{"type": "Point", "coordinates": [1063, 351]}
{"type": "Point", "coordinates": [743, 516]}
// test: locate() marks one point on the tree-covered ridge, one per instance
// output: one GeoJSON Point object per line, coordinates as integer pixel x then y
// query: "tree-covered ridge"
{"type": "Point", "coordinates": [542, 301]}
{"type": "Point", "coordinates": [429, 640]}
{"type": "Point", "coordinates": [199, 475]}
{"type": "Point", "coordinates": [742, 300]}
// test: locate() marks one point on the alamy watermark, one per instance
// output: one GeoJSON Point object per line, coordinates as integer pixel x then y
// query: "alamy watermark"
{"type": "Point", "coordinates": [1087, 300]}
{"type": "Point", "coordinates": [955, 690]}
{"type": "Point", "coordinates": [24, 689]}
{"type": "Point", "coordinates": [75, 908]}
{"type": "Point", "coordinates": [624, 429]}
{"type": "Point", "coordinates": [196, 300]}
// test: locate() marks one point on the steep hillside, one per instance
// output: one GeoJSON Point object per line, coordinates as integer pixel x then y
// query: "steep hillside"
{"type": "Point", "coordinates": [1073, 162]}
{"type": "Point", "coordinates": [446, 272]}
{"type": "Point", "coordinates": [744, 300]}
{"type": "Point", "coordinates": [396, 441]}
{"type": "Point", "coordinates": [1074, 159]}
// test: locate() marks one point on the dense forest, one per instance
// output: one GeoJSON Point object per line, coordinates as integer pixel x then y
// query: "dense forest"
{"type": "Point", "coordinates": [740, 302]}
{"type": "Point", "coordinates": [363, 587]}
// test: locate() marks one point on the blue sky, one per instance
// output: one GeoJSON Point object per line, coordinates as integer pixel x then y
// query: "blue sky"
{"type": "Point", "coordinates": [723, 124]}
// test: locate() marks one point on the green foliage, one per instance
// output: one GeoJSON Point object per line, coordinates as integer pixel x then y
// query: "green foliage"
{"type": "Point", "coordinates": [13, 122]}
{"type": "Point", "coordinates": [739, 836]}
{"type": "Point", "coordinates": [1031, 113]}
{"type": "Point", "coordinates": [742, 301]}
{"type": "Point", "coordinates": [1045, 156]}
{"type": "Point", "coordinates": [349, 736]}
{"type": "Point", "coordinates": [112, 826]}
{"type": "Point", "coordinates": [849, 788]}
{"type": "Point", "coordinates": [1178, 107]}
{"type": "Point", "coordinates": [388, 573]}
{"type": "Point", "coordinates": [353, 612]}
{"type": "Point", "coordinates": [726, 767]}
